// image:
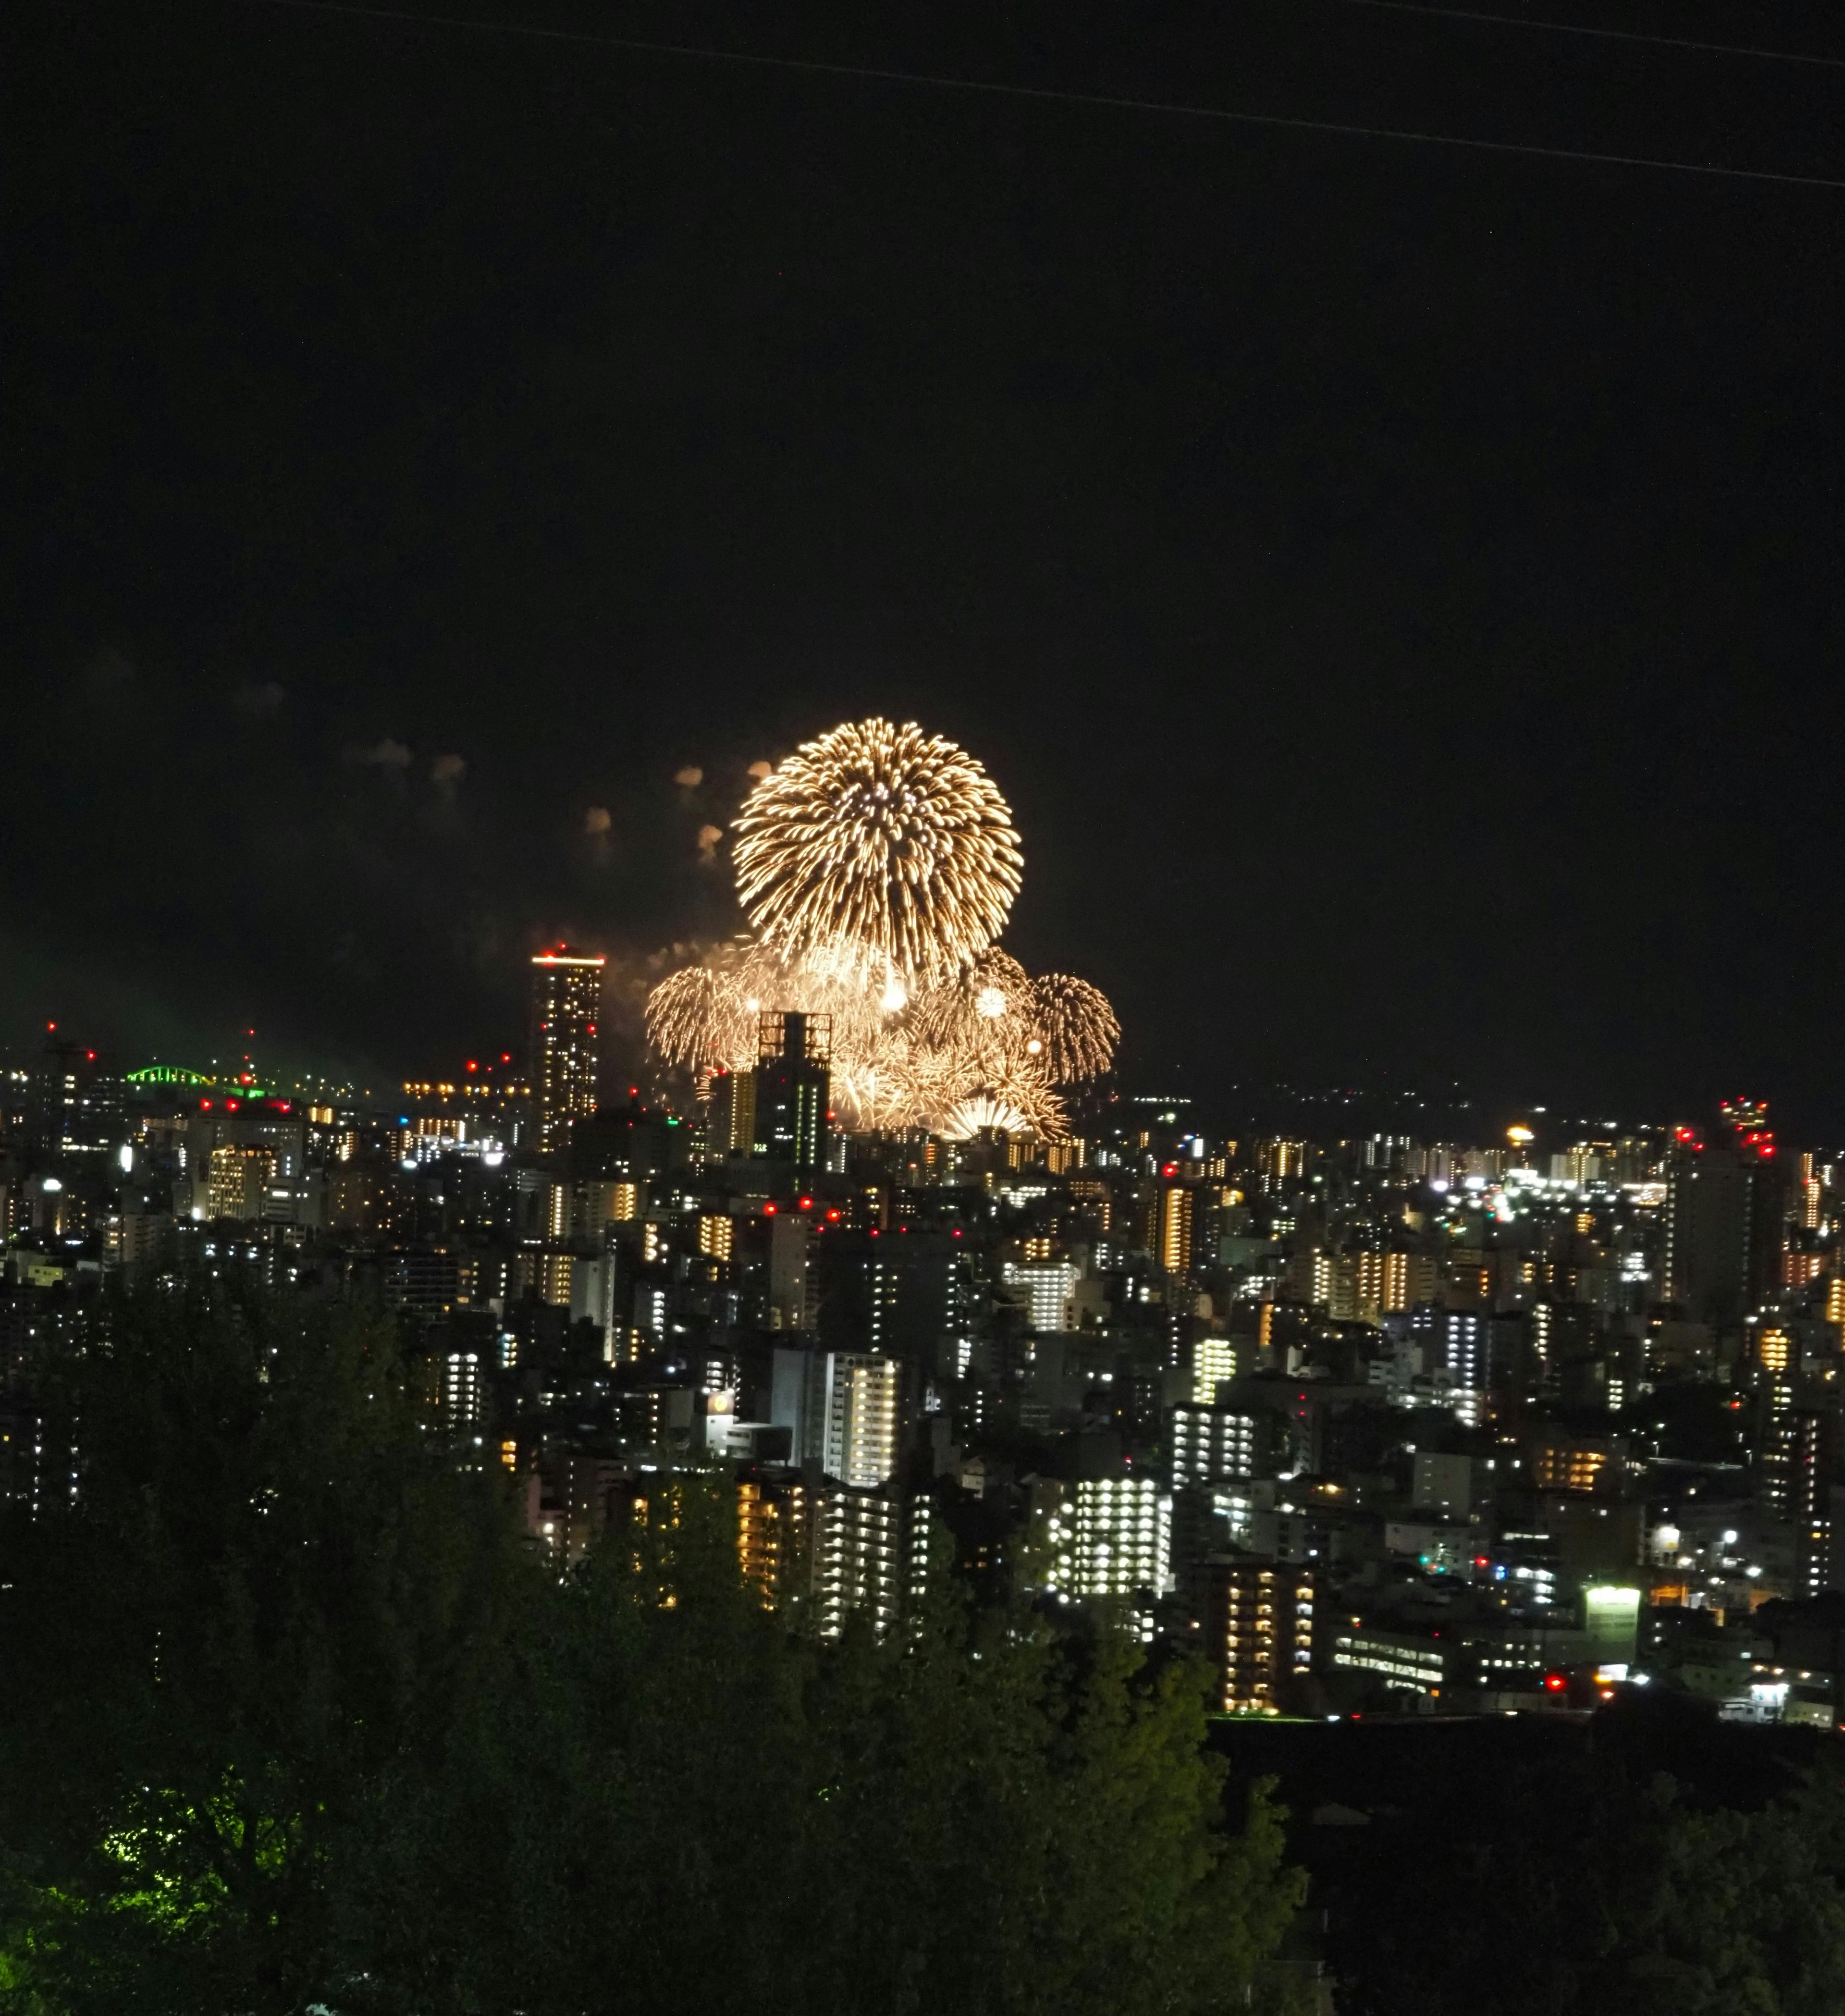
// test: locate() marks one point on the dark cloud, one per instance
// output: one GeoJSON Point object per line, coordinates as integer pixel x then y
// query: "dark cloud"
{"type": "Point", "coordinates": [258, 700]}
{"type": "Point", "coordinates": [386, 753]}
{"type": "Point", "coordinates": [106, 670]}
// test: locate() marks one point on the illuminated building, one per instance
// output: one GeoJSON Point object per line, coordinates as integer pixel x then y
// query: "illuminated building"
{"type": "Point", "coordinates": [1048, 1286]}
{"type": "Point", "coordinates": [1408, 1279]}
{"type": "Point", "coordinates": [1096, 1200]}
{"type": "Point", "coordinates": [905, 1296]}
{"type": "Point", "coordinates": [78, 1107]}
{"type": "Point", "coordinates": [773, 1533]}
{"type": "Point", "coordinates": [1835, 1299]}
{"type": "Point", "coordinates": [731, 1129]}
{"type": "Point", "coordinates": [791, 1081]}
{"type": "Point", "coordinates": [863, 1412]}
{"type": "Point", "coordinates": [870, 1555]}
{"type": "Point", "coordinates": [1610, 1619]}
{"type": "Point", "coordinates": [487, 1100]}
{"type": "Point", "coordinates": [461, 1391]}
{"type": "Point", "coordinates": [716, 1231]}
{"type": "Point", "coordinates": [543, 1273]}
{"type": "Point", "coordinates": [1725, 1223]}
{"type": "Point", "coordinates": [1214, 1359]}
{"type": "Point", "coordinates": [1801, 1482]}
{"type": "Point", "coordinates": [566, 1009]}
{"type": "Point", "coordinates": [238, 1179]}
{"type": "Point", "coordinates": [424, 1282]}
{"type": "Point", "coordinates": [787, 1270]}
{"type": "Point", "coordinates": [1257, 1628]}
{"type": "Point", "coordinates": [1405, 1663]}
{"type": "Point", "coordinates": [1459, 1338]}
{"type": "Point", "coordinates": [1106, 1536]}
{"type": "Point", "coordinates": [38, 1465]}
{"type": "Point", "coordinates": [1567, 1464]}
{"type": "Point", "coordinates": [1210, 1443]}
{"type": "Point", "coordinates": [1171, 1239]}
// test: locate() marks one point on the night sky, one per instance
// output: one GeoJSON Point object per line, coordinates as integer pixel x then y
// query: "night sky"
{"type": "Point", "coordinates": [1396, 586]}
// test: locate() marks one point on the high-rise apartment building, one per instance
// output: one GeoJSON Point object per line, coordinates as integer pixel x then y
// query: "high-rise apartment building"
{"type": "Point", "coordinates": [1048, 1286]}
{"type": "Point", "coordinates": [791, 1083]}
{"type": "Point", "coordinates": [1172, 1240]}
{"type": "Point", "coordinates": [1257, 1628]}
{"type": "Point", "coordinates": [1726, 1217]}
{"type": "Point", "coordinates": [1214, 1359]}
{"type": "Point", "coordinates": [870, 1555]}
{"type": "Point", "coordinates": [1104, 1536]}
{"type": "Point", "coordinates": [1210, 1443]}
{"type": "Point", "coordinates": [566, 1009]}
{"type": "Point", "coordinates": [906, 1294]}
{"type": "Point", "coordinates": [730, 1128]}
{"type": "Point", "coordinates": [774, 1534]}
{"type": "Point", "coordinates": [1709, 1199]}
{"type": "Point", "coordinates": [864, 1397]}
{"type": "Point", "coordinates": [461, 1396]}
{"type": "Point", "coordinates": [1808, 1439]}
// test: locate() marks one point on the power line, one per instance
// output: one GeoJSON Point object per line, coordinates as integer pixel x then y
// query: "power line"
{"type": "Point", "coordinates": [1040, 93]}
{"type": "Point", "coordinates": [1603, 35]}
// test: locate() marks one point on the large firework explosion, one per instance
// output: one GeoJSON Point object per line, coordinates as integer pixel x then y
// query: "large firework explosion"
{"type": "Point", "coordinates": [878, 866]}
{"type": "Point", "coordinates": [891, 846]}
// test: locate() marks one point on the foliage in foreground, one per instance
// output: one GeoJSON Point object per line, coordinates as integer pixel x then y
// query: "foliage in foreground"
{"type": "Point", "coordinates": [296, 1718]}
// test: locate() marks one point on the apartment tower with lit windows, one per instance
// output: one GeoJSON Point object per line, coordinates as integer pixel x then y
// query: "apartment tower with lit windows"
{"type": "Point", "coordinates": [566, 1009]}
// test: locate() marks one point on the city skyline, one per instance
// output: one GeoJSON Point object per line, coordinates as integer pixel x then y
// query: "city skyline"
{"type": "Point", "coordinates": [1406, 667]}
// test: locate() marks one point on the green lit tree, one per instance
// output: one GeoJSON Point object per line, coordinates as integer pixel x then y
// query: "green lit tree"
{"type": "Point", "coordinates": [270, 1583]}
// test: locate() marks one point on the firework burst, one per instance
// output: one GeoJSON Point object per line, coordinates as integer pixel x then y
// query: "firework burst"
{"type": "Point", "coordinates": [880, 846]}
{"type": "Point", "coordinates": [697, 1017]}
{"type": "Point", "coordinates": [1075, 1025]}
{"type": "Point", "coordinates": [877, 865]}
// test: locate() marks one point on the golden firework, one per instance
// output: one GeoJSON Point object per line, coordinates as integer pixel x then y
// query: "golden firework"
{"type": "Point", "coordinates": [878, 865]}
{"type": "Point", "coordinates": [697, 1018]}
{"type": "Point", "coordinates": [1075, 1025]}
{"type": "Point", "coordinates": [879, 847]}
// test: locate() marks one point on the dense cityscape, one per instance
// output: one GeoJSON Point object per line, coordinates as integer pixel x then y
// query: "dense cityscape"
{"type": "Point", "coordinates": [1377, 1425]}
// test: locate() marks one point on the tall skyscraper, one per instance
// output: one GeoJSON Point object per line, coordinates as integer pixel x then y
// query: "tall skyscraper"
{"type": "Point", "coordinates": [566, 1008]}
{"type": "Point", "coordinates": [1165, 1226]}
{"type": "Point", "coordinates": [792, 1081]}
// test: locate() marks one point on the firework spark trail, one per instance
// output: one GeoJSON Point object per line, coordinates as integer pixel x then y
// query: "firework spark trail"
{"type": "Point", "coordinates": [893, 845]}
